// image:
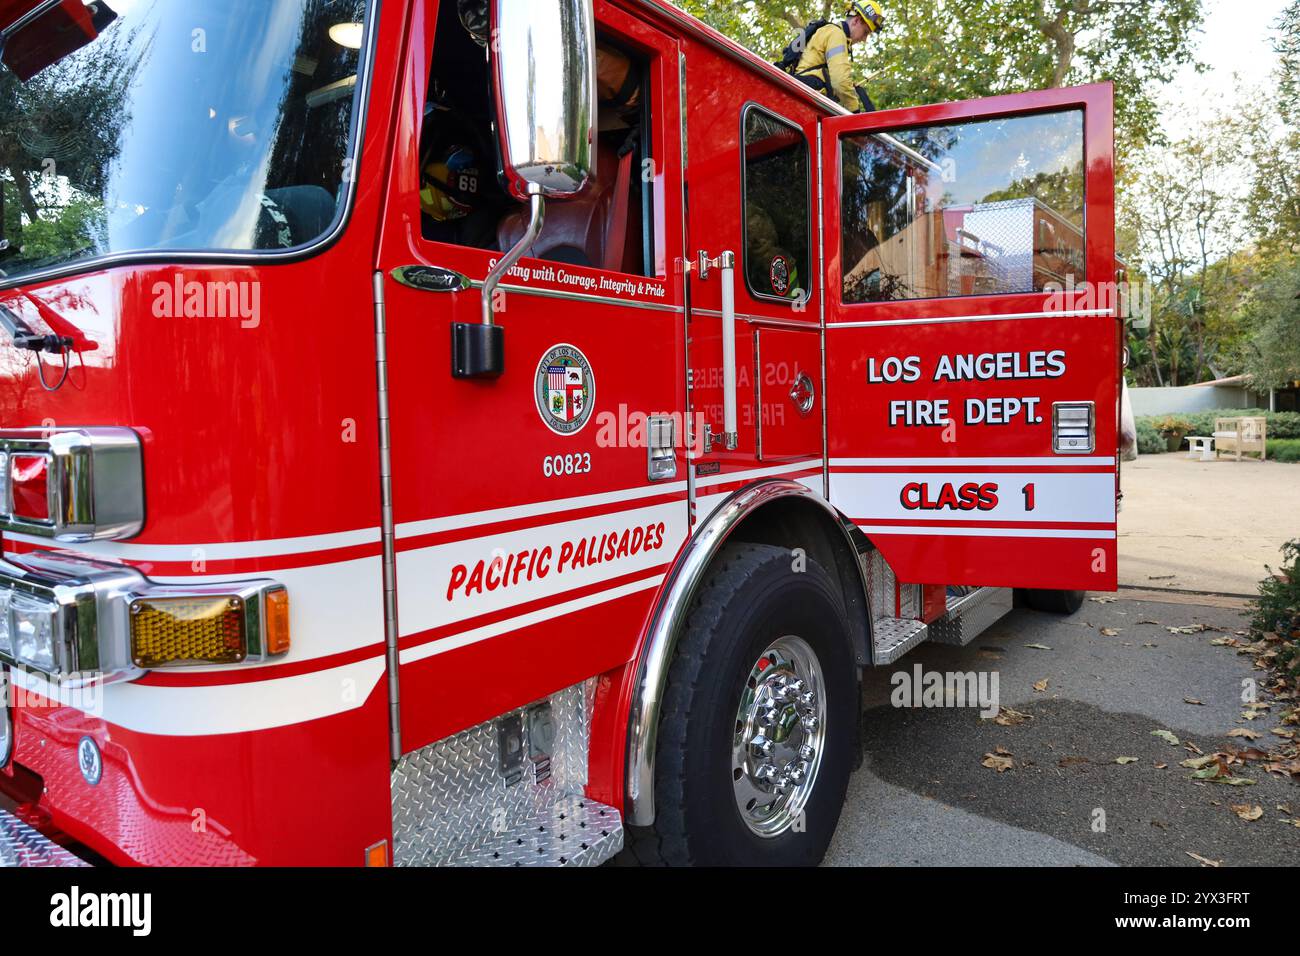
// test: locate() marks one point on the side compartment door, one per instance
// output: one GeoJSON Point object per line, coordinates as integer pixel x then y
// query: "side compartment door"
{"type": "Point", "coordinates": [972, 359]}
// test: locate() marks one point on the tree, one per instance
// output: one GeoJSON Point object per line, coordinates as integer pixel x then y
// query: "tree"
{"type": "Point", "coordinates": [1273, 308]}
{"type": "Point", "coordinates": [938, 50]}
{"type": "Point", "coordinates": [1186, 216]}
{"type": "Point", "coordinates": [1288, 51]}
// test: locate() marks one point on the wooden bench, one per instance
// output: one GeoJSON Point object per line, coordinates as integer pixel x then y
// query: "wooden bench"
{"type": "Point", "coordinates": [1241, 436]}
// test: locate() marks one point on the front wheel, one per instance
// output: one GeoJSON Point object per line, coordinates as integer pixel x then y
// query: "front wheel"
{"type": "Point", "coordinates": [1054, 602]}
{"type": "Point", "coordinates": [758, 728]}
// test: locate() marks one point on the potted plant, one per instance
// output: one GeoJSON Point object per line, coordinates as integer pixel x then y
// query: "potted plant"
{"type": "Point", "coordinates": [1174, 431]}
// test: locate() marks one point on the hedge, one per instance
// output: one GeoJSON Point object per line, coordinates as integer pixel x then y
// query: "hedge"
{"type": "Point", "coordinates": [1279, 424]}
{"type": "Point", "coordinates": [1286, 449]}
{"type": "Point", "coordinates": [1150, 441]}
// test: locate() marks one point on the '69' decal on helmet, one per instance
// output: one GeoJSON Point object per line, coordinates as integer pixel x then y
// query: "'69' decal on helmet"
{"type": "Point", "coordinates": [565, 389]}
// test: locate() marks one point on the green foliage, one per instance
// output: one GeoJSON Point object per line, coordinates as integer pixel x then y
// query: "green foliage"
{"type": "Point", "coordinates": [1284, 449]}
{"type": "Point", "coordinates": [1277, 609]}
{"type": "Point", "coordinates": [1272, 309]}
{"type": "Point", "coordinates": [1288, 50]}
{"type": "Point", "coordinates": [1150, 441]}
{"type": "Point", "coordinates": [933, 51]}
{"type": "Point", "coordinates": [1277, 424]}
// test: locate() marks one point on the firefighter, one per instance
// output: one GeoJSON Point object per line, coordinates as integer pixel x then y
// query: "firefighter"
{"type": "Point", "coordinates": [822, 57]}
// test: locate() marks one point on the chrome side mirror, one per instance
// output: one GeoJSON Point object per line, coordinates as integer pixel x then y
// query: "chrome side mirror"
{"type": "Point", "coordinates": [543, 63]}
{"type": "Point", "coordinates": [543, 55]}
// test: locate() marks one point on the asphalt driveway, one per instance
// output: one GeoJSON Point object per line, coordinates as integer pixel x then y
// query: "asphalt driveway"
{"type": "Point", "coordinates": [925, 797]}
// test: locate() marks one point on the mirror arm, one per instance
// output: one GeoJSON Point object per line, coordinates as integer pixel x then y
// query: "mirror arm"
{"type": "Point", "coordinates": [493, 280]}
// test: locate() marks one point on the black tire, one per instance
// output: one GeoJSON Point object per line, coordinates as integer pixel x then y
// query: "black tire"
{"type": "Point", "coordinates": [1055, 602]}
{"type": "Point", "coordinates": [751, 597]}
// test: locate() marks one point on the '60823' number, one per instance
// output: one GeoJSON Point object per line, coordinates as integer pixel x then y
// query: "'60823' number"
{"type": "Point", "coordinates": [556, 466]}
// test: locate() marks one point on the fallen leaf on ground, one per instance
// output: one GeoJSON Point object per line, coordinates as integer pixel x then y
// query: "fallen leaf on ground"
{"type": "Point", "coordinates": [1193, 700]}
{"type": "Point", "coordinates": [1294, 823]}
{"type": "Point", "coordinates": [1009, 718]}
{"type": "Point", "coordinates": [1041, 685]}
{"type": "Point", "coordinates": [1160, 766]}
{"type": "Point", "coordinates": [1102, 600]}
{"type": "Point", "coordinates": [1196, 763]}
{"type": "Point", "coordinates": [1193, 748]}
{"type": "Point", "coordinates": [1247, 812]}
{"type": "Point", "coordinates": [1189, 629]}
{"type": "Point", "coordinates": [1245, 732]}
{"type": "Point", "coordinates": [1167, 736]}
{"type": "Point", "coordinates": [998, 762]}
{"type": "Point", "coordinates": [1124, 760]}
{"type": "Point", "coordinates": [1224, 642]}
{"type": "Point", "coordinates": [1286, 734]}
{"type": "Point", "coordinates": [1202, 860]}
{"type": "Point", "coordinates": [1039, 647]}
{"type": "Point", "coordinates": [1110, 631]}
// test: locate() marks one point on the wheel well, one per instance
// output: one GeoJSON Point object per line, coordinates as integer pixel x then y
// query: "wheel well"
{"type": "Point", "coordinates": [800, 523]}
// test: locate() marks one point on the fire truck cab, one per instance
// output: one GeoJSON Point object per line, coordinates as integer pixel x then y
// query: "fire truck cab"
{"type": "Point", "coordinates": [453, 432]}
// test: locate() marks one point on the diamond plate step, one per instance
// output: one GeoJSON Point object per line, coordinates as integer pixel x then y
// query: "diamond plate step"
{"type": "Point", "coordinates": [21, 845]}
{"type": "Point", "coordinates": [892, 637]}
{"type": "Point", "coordinates": [969, 615]}
{"type": "Point", "coordinates": [461, 802]}
{"type": "Point", "coordinates": [574, 831]}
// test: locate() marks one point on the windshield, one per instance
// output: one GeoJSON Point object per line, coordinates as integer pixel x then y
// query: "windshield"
{"type": "Point", "coordinates": [158, 126]}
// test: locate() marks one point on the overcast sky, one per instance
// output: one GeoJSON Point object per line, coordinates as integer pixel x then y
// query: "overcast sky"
{"type": "Point", "coordinates": [1237, 38]}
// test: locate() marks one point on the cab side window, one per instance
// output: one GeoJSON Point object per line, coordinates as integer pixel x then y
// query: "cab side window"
{"type": "Point", "coordinates": [461, 198]}
{"type": "Point", "coordinates": [984, 207]}
{"type": "Point", "coordinates": [777, 207]}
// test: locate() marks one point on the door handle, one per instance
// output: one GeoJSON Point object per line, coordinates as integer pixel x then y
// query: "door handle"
{"type": "Point", "coordinates": [726, 264]}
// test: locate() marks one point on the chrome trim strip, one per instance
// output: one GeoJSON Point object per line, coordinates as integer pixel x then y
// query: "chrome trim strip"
{"type": "Point", "coordinates": [388, 527]}
{"type": "Point", "coordinates": [582, 296]}
{"type": "Point", "coordinates": [668, 621]}
{"type": "Point", "coordinates": [821, 310]}
{"type": "Point", "coordinates": [352, 162]}
{"type": "Point", "coordinates": [1059, 314]}
{"type": "Point", "coordinates": [689, 438]}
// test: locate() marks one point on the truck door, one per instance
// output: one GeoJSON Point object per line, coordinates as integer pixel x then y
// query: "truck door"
{"type": "Point", "coordinates": [971, 337]}
{"type": "Point", "coordinates": [536, 512]}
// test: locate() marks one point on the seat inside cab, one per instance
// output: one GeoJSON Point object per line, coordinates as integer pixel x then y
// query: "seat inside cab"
{"type": "Point", "coordinates": [461, 197]}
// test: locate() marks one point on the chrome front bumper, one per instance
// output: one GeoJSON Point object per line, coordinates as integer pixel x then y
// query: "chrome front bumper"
{"type": "Point", "coordinates": [21, 845]}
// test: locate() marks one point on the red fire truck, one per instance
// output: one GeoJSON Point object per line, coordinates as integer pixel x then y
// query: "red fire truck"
{"type": "Point", "coordinates": [451, 432]}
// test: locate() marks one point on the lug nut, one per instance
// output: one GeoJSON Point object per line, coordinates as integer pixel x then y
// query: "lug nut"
{"type": "Point", "coordinates": [765, 773]}
{"type": "Point", "coordinates": [797, 775]}
{"type": "Point", "coordinates": [806, 753]}
{"type": "Point", "coordinates": [768, 717]}
{"type": "Point", "coordinates": [807, 699]}
{"type": "Point", "coordinates": [760, 746]}
{"type": "Point", "coordinates": [810, 724]}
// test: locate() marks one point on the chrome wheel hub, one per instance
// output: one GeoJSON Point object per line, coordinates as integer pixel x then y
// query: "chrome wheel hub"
{"type": "Point", "coordinates": [779, 737]}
